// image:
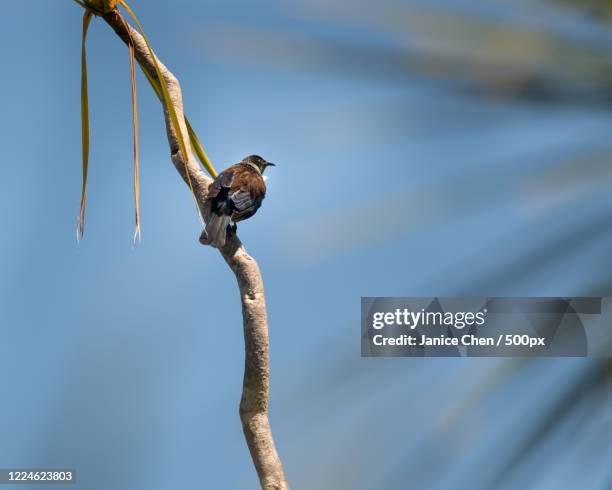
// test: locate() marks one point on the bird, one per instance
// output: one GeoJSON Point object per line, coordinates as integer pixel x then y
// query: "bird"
{"type": "Point", "coordinates": [235, 195]}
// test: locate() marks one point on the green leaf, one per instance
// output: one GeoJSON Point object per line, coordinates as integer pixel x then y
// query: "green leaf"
{"type": "Point", "coordinates": [84, 124]}
{"type": "Point", "coordinates": [168, 103]}
{"type": "Point", "coordinates": [193, 137]}
{"type": "Point", "coordinates": [199, 150]}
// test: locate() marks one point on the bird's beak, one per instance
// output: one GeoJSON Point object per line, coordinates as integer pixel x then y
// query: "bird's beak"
{"type": "Point", "coordinates": [270, 164]}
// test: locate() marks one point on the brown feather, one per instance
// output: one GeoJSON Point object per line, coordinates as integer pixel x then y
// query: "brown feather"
{"type": "Point", "coordinates": [237, 179]}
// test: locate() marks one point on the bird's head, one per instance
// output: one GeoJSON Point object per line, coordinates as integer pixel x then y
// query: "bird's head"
{"type": "Point", "coordinates": [259, 162]}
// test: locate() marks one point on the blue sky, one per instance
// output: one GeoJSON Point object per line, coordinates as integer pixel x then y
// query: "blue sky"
{"type": "Point", "coordinates": [408, 164]}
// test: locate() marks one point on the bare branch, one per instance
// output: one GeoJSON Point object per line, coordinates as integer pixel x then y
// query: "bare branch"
{"type": "Point", "coordinates": [256, 383]}
{"type": "Point", "coordinates": [199, 179]}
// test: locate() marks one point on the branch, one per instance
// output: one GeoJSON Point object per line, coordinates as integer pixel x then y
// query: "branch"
{"type": "Point", "coordinates": [256, 383]}
{"type": "Point", "coordinates": [199, 180]}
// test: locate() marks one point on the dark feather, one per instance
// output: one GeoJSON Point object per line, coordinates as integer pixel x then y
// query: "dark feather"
{"type": "Point", "coordinates": [237, 192]}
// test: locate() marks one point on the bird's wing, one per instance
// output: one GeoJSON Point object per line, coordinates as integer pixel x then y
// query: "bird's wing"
{"type": "Point", "coordinates": [223, 181]}
{"type": "Point", "coordinates": [245, 204]}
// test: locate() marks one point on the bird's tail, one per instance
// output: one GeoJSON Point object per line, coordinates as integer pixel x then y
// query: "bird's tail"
{"type": "Point", "coordinates": [216, 231]}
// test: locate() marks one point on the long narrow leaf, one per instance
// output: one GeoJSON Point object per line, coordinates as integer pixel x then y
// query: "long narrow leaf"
{"type": "Point", "coordinates": [84, 124]}
{"type": "Point", "coordinates": [137, 233]}
{"type": "Point", "coordinates": [193, 137]}
{"type": "Point", "coordinates": [199, 150]}
{"type": "Point", "coordinates": [168, 102]}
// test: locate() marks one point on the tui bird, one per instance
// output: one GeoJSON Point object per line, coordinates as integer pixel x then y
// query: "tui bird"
{"type": "Point", "coordinates": [235, 195]}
